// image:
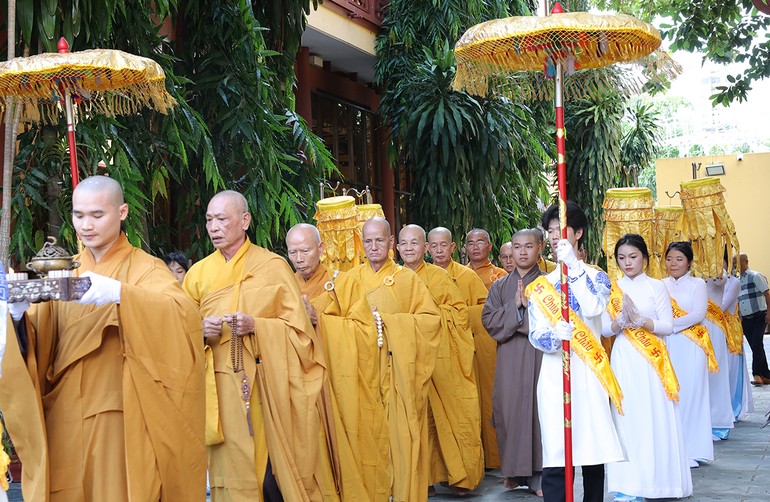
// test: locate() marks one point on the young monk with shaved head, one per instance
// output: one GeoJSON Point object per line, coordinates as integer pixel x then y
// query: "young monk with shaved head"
{"type": "Point", "coordinates": [105, 401]}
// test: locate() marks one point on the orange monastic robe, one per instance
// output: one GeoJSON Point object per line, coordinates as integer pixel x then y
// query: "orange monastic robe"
{"type": "Point", "coordinates": [407, 358]}
{"type": "Point", "coordinates": [284, 368]}
{"type": "Point", "coordinates": [454, 414]}
{"type": "Point", "coordinates": [486, 358]}
{"type": "Point", "coordinates": [108, 403]}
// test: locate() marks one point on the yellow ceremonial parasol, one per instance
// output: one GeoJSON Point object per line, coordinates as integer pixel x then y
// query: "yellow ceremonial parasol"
{"type": "Point", "coordinates": [491, 58]}
{"type": "Point", "coordinates": [100, 81]}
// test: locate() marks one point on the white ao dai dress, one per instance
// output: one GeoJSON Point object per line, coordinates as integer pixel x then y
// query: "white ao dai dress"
{"type": "Point", "coordinates": [691, 366]}
{"type": "Point", "coordinates": [651, 429]}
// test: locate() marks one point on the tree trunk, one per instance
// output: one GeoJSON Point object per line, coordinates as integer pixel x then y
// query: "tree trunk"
{"type": "Point", "coordinates": [9, 147]}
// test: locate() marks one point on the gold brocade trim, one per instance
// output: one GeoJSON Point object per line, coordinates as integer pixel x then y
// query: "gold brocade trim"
{"type": "Point", "coordinates": [667, 228]}
{"type": "Point", "coordinates": [707, 225]}
{"type": "Point", "coordinates": [584, 343]}
{"type": "Point", "coordinates": [629, 215]}
{"type": "Point", "coordinates": [699, 336]}
{"type": "Point", "coordinates": [628, 211]}
{"type": "Point", "coordinates": [648, 345]}
{"type": "Point", "coordinates": [715, 314]}
{"type": "Point", "coordinates": [734, 333]}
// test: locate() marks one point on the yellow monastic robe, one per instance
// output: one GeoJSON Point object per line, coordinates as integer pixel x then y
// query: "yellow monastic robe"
{"type": "Point", "coordinates": [109, 402]}
{"type": "Point", "coordinates": [349, 336]}
{"type": "Point", "coordinates": [545, 265]}
{"type": "Point", "coordinates": [284, 368]}
{"type": "Point", "coordinates": [486, 359]}
{"type": "Point", "coordinates": [408, 356]}
{"type": "Point", "coordinates": [454, 412]}
{"type": "Point", "coordinates": [327, 469]}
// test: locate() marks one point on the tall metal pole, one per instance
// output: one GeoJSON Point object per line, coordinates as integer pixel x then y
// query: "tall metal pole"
{"type": "Point", "coordinates": [64, 48]}
{"type": "Point", "coordinates": [561, 175]}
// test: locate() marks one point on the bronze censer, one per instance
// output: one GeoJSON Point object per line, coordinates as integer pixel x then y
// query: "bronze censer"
{"type": "Point", "coordinates": [54, 266]}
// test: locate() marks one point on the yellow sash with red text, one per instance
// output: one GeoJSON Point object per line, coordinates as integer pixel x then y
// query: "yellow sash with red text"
{"type": "Point", "coordinates": [734, 333]}
{"type": "Point", "coordinates": [699, 336]}
{"type": "Point", "coordinates": [649, 346]}
{"type": "Point", "coordinates": [584, 343]}
{"type": "Point", "coordinates": [722, 320]}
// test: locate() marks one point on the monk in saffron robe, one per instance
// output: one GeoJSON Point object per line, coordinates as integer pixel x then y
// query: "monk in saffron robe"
{"type": "Point", "coordinates": [338, 308]}
{"type": "Point", "coordinates": [410, 346]}
{"type": "Point", "coordinates": [262, 425]}
{"type": "Point", "coordinates": [104, 396]}
{"type": "Point", "coordinates": [478, 246]}
{"type": "Point", "coordinates": [514, 400]}
{"type": "Point", "coordinates": [441, 247]}
{"type": "Point", "coordinates": [454, 415]}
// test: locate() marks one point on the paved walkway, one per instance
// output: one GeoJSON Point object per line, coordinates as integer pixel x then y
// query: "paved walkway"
{"type": "Point", "coordinates": [739, 473]}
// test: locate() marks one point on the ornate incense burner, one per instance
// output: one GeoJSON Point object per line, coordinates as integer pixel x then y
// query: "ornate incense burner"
{"type": "Point", "coordinates": [55, 266]}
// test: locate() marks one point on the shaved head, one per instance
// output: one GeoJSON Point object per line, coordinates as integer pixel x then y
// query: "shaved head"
{"type": "Point", "coordinates": [377, 241]}
{"type": "Point", "coordinates": [479, 231]}
{"type": "Point", "coordinates": [236, 198]}
{"type": "Point", "coordinates": [377, 222]}
{"type": "Point", "coordinates": [416, 229]}
{"type": "Point", "coordinates": [440, 231]}
{"type": "Point", "coordinates": [104, 184]}
{"type": "Point", "coordinates": [305, 228]}
{"type": "Point", "coordinates": [440, 246]}
{"type": "Point", "coordinates": [305, 249]}
{"type": "Point", "coordinates": [98, 210]}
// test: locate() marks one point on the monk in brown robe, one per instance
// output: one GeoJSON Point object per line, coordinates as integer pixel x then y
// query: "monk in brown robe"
{"type": "Point", "coordinates": [264, 365]}
{"type": "Point", "coordinates": [478, 246]}
{"type": "Point", "coordinates": [454, 417]}
{"type": "Point", "coordinates": [338, 308]}
{"type": "Point", "coordinates": [104, 397]}
{"type": "Point", "coordinates": [514, 400]}
{"type": "Point", "coordinates": [410, 341]}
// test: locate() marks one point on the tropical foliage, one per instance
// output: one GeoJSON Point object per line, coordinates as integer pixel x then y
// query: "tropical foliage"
{"type": "Point", "coordinates": [473, 162]}
{"type": "Point", "coordinates": [594, 135]}
{"type": "Point", "coordinates": [229, 65]}
{"type": "Point", "coordinates": [725, 31]}
{"type": "Point", "coordinates": [641, 140]}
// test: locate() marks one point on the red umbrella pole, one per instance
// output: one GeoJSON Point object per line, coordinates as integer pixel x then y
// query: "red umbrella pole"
{"type": "Point", "coordinates": [64, 48]}
{"type": "Point", "coordinates": [561, 174]}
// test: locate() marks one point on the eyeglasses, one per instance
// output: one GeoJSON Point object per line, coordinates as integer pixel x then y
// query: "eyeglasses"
{"type": "Point", "coordinates": [477, 244]}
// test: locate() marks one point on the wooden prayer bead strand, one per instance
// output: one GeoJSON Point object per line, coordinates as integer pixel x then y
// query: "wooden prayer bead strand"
{"type": "Point", "coordinates": [236, 357]}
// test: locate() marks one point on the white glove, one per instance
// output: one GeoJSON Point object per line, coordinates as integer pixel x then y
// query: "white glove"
{"type": "Point", "coordinates": [103, 290]}
{"type": "Point", "coordinates": [17, 309]}
{"type": "Point", "coordinates": [565, 253]}
{"type": "Point", "coordinates": [721, 280]}
{"type": "Point", "coordinates": [563, 330]}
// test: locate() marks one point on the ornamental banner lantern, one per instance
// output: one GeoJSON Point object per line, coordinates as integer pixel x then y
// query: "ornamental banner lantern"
{"type": "Point", "coordinates": [667, 228]}
{"type": "Point", "coordinates": [338, 224]}
{"type": "Point", "coordinates": [628, 211]}
{"type": "Point", "coordinates": [708, 226]}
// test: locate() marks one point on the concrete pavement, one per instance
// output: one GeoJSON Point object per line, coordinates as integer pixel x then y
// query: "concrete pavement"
{"type": "Point", "coordinates": [739, 473]}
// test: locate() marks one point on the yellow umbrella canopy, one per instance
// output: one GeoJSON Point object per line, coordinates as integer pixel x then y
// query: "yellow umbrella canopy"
{"type": "Point", "coordinates": [503, 48]}
{"type": "Point", "coordinates": [103, 81]}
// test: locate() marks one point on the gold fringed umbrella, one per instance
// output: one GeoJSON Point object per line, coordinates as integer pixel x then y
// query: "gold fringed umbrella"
{"type": "Point", "coordinates": [667, 229]}
{"type": "Point", "coordinates": [490, 59]}
{"type": "Point", "coordinates": [100, 81]}
{"type": "Point", "coordinates": [628, 211]}
{"type": "Point", "coordinates": [707, 224]}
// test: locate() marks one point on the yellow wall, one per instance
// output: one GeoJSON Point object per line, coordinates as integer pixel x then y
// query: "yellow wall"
{"type": "Point", "coordinates": [342, 28]}
{"type": "Point", "coordinates": [747, 197]}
